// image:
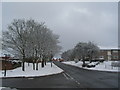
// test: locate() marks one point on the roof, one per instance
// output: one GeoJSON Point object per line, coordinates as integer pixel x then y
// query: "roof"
{"type": "Point", "coordinates": [109, 49]}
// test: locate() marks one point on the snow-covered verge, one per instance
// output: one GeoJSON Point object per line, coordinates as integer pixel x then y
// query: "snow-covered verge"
{"type": "Point", "coordinates": [7, 88]}
{"type": "Point", "coordinates": [1, 88]}
{"type": "Point", "coordinates": [29, 72]}
{"type": "Point", "coordinates": [105, 66]}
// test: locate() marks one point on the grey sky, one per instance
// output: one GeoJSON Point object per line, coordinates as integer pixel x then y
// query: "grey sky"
{"type": "Point", "coordinates": [74, 22]}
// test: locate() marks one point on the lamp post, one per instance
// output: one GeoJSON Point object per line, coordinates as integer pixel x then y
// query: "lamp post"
{"type": "Point", "coordinates": [5, 64]}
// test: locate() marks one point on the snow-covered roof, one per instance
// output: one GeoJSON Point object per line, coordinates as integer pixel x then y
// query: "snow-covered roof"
{"type": "Point", "coordinates": [108, 48]}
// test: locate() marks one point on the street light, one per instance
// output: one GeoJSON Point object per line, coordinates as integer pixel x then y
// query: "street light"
{"type": "Point", "coordinates": [5, 64]}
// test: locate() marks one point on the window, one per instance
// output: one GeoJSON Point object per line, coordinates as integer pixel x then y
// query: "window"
{"type": "Point", "coordinates": [115, 51]}
{"type": "Point", "coordinates": [115, 57]}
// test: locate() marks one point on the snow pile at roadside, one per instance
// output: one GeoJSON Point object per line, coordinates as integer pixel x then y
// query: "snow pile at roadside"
{"type": "Point", "coordinates": [105, 66]}
{"type": "Point", "coordinates": [29, 72]}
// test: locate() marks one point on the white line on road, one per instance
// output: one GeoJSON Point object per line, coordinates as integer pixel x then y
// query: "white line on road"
{"type": "Point", "coordinates": [72, 78]}
{"type": "Point", "coordinates": [65, 76]}
{"type": "Point", "coordinates": [30, 78]}
{"type": "Point", "coordinates": [69, 76]}
{"type": "Point", "coordinates": [77, 82]}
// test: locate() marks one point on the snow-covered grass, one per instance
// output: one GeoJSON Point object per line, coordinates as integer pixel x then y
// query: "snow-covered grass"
{"type": "Point", "coordinates": [1, 88]}
{"type": "Point", "coordinates": [7, 88]}
{"type": "Point", "coordinates": [105, 66]}
{"type": "Point", "coordinates": [29, 72]}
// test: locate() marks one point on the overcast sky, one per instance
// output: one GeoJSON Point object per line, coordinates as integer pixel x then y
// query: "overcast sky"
{"type": "Point", "coordinates": [74, 22]}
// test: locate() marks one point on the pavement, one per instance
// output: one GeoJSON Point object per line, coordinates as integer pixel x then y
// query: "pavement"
{"type": "Point", "coordinates": [72, 77]}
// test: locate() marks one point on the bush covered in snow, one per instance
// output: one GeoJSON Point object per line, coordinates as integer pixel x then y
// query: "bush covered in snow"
{"type": "Point", "coordinates": [76, 60]}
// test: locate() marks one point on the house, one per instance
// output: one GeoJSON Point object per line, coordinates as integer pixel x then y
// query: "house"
{"type": "Point", "coordinates": [8, 64]}
{"type": "Point", "coordinates": [5, 61]}
{"type": "Point", "coordinates": [110, 54]}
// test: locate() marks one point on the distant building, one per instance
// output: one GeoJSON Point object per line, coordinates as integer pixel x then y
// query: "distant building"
{"type": "Point", "coordinates": [110, 54]}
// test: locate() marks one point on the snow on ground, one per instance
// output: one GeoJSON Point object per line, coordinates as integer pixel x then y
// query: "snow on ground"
{"type": "Point", "coordinates": [1, 88]}
{"type": "Point", "coordinates": [47, 70]}
{"type": "Point", "coordinates": [7, 88]}
{"type": "Point", "coordinates": [105, 66]}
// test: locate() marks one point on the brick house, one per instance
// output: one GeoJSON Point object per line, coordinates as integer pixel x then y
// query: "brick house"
{"type": "Point", "coordinates": [10, 64]}
{"type": "Point", "coordinates": [110, 54]}
{"type": "Point", "coordinates": [3, 61]}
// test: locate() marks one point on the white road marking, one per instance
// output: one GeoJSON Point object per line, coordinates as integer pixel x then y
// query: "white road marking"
{"type": "Point", "coordinates": [72, 78]}
{"type": "Point", "coordinates": [77, 82]}
{"type": "Point", "coordinates": [65, 76]}
{"type": "Point", "coordinates": [69, 76]}
{"type": "Point", "coordinates": [30, 78]}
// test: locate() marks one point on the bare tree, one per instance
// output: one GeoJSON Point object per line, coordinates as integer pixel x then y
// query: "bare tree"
{"type": "Point", "coordinates": [30, 40]}
{"type": "Point", "coordinates": [86, 50]}
{"type": "Point", "coordinates": [15, 38]}
{"type": "Point", "coordinates": [93, 51]}
{"type": "Point", "coordinates": [80, 51]}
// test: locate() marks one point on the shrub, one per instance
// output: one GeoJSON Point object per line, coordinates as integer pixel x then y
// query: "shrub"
{"type": "Point", "coordinates": [89, 66]}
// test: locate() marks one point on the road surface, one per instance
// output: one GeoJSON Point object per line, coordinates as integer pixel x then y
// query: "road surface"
{"type": "Point", "coordinates": [91, 78]}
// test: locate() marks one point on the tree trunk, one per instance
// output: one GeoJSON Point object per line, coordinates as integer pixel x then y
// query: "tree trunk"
{"type": "Point", "coordinates": [36, 65]}
{"type": "Point", "coordinates": [45, 62]}
{"type": "Point", "coordinates": [5, 69]}
{"type": "Point", "coordinates": [51, 63]}
{"type": "Point", "coordinates": [83, 62]}
{"type": "Point", "coordinates": [90, 59]}
{"type": "Point", "coordinates": [23, 63]}
{"type": "Point", "coordinates": [28, 64]}
{"type": "Point", "coordinates": [36, 59]}
{"type": "Point", "coordinates": [42, 63]}
{"type": "Point", "coordinates": [23, 66]}
{"type": "Point", "coordinates": [33, 65]}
